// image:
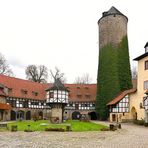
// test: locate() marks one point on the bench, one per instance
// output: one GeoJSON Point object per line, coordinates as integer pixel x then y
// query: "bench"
{"type": "Point", "coordinates": [3, 125]}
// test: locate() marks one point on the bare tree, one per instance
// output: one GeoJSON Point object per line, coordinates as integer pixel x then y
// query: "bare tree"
{"type": "Point", "coordinates": [37, 73]}
{"type": "Point", "coordinates": [134, 72]}
{"type": "Point", "coordinates": [4, 67]}
{"type": "Point", "coordinates": [58, 75]}
{"type": "Point", "coordinates": [85, 79]}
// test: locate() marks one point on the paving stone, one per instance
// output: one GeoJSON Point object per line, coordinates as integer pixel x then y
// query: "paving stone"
{"type": "Point", "coordinates": [130, 136]}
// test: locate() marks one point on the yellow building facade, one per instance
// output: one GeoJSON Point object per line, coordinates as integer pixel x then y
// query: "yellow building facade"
{"type": "Point", "coordinates": [133, 104]}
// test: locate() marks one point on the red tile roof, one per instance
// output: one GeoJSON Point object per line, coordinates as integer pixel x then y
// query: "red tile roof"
{"type": "Point", "coordinates": [86, 91]}
{"type": "Point", "coordinates": [121, 96]}
{"type": "Point", "coordinates": [5, 106]}
{"type": "Point", "coordinates": [82, 92]}
{"type": "Point", "coordinates": [17, 85]}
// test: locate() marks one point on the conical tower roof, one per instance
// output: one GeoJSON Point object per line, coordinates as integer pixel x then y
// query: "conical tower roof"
{"type": "Point", "coordinates": [111, 11]}
{"type": "Point", "coordinates": [58, 85]}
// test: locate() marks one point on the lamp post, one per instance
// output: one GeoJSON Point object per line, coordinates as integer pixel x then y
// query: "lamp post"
{"type": "Point", "coordinates": [57, 98]}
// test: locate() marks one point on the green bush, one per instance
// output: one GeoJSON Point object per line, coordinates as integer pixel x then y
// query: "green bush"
{"type": "Point", "coordinates": [146, 124]}
{"type": "Point", "coordinates": [55, 129]}
{"type": "Point", "coordinates": [139, 122]}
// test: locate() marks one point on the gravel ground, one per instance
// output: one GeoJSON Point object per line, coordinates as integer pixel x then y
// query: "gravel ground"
{"type": "Point", "coordinates": [130, 136]}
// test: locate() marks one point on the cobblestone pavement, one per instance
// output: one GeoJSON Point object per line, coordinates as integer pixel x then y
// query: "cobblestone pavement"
{"type": "Point", "coordinates": [130, 136]}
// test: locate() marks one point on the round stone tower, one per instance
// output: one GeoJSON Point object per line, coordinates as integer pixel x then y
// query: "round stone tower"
{"type": "Point", "coordinates": [114, 74]}
{"type": "Point", "coordinates": [112, 27]}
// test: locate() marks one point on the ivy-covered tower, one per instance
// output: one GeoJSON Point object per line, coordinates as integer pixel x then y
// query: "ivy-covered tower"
{"type": "Point", "coordinates": [114, 74]}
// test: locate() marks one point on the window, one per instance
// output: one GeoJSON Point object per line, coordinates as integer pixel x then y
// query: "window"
{"type": "Point", "coordinates": [86, 88]}
{"type": "Point", "coordinates": [51, 94]}
{"type": "Point", "coordinates": [145, 85]}
{"type": "Point", "coordinates": [79, 96]}
{"type": "Point", "coordinates": [34, 93]}
{"type": "Point", "coordinates": [10, 90]}
{"type": "Point", "coordinates": [146, 65]}
{"type": "Point", "coordinates": [24, 91]}
{"type": "Point", "coordinates": [87, 96]}
{"type": "Point", "coordinates": [78, 87]}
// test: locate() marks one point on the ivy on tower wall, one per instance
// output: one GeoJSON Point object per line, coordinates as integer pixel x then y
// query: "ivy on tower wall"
{"type": "Point", "coordinates": [114, 75]}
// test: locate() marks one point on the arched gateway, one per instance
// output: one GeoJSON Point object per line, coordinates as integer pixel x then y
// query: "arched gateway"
{"type": "Point", "coordinates": [76, 115]}
{"type": "Point", "coordinates": [92, 115]}
{"type": "Point", "coordinates": [28, 115]}
{"type": "Point", "coordinates": [134, 113]}
{"type": "Point", "coordinates": [13, 115]}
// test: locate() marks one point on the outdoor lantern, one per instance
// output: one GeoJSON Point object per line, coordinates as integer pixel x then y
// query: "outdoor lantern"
{"type": "Point", "coordinates": [141, 105]}
{"type": "Point", "coordinates": [146, 92]}
{"type": "Point", "coordinates": [57, 98]}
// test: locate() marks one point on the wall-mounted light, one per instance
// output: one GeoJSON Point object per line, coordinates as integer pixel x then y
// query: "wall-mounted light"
{"type": "Point", "coordinates": [141, 105]}
{"type": "Point", "coordinates": [146, 92]}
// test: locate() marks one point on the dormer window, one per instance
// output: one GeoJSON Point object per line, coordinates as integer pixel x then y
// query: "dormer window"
{"type": "Point", "coordinates": [34, 93]}
{"type": "Point", "coordinates": [86, 88]}
{"type": "Point", "coordinates": [24, 91]}
{"type": "Point", "coordinates": [79, 96]}
{"type": "Point", "coordinates": [10, 90]}
{"type": "Point", "coordinates": [1, 87]}
{"type": "Point", "coordinates": [87, 96]}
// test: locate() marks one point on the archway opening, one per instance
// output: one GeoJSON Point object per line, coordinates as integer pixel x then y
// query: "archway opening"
{"type": "Point", "coordinates": [20, 115]}
{"type": "Point", "coordinates": [28, 115]}
{"type": "Point", "coordinates": [76, 115]}
{"type": "Point", "coordinates": [13, 115]}
{"type": "Point", "coordinates": [93, 115]}
{"type": "Point", "coordinates": [134, 113]}
{"type": "Point", "coordinates": [1, 114]}
{"type": "Point", "coordinates": [40, 115]}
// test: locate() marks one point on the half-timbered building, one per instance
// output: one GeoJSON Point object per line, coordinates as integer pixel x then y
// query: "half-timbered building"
{"type": "Point", "coordinates": [22, 99]}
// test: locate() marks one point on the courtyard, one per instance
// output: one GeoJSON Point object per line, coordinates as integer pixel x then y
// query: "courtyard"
{"type": "Point", "coordinates": [130, 136]}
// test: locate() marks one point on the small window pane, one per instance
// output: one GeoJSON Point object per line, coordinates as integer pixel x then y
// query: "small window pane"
{"type": "Point", "coordinates": [145, 84]}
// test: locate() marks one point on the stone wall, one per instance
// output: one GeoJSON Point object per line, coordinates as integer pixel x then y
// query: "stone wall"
{"type": "Point", "coordinates": [112, 29]}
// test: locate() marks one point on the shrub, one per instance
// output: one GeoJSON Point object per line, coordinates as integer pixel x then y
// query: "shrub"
{"type": "Point", "coordinates": [146, 124]}
{"type": "Point", "coordinates": [55, 129]}
{"type": "Point", "coordinates": [105, 129]}
{"type": "Point", "coordinates": [139, 122]}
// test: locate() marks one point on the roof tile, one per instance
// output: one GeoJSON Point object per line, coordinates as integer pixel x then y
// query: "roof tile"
{"type": "Point", "coordinates": [121, 96]}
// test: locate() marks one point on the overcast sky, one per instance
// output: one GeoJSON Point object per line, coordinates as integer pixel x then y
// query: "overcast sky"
{"type": "Point", "coordinates": [64, 33]}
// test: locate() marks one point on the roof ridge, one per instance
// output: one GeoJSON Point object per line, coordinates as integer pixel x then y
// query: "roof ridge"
{"type": "Point", "coordinates": [114, 9]}
{"type": "Point", "coordinates": [41, 83]}
{"type": "Point", "coordinates": [23, 79]}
